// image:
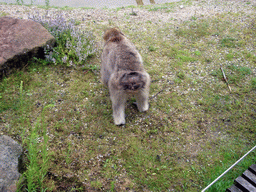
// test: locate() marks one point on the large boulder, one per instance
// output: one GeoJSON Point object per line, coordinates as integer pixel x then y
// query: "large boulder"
{"type": "Point", "coordinates": [10, 152]}
{"type": "Point", "coordinates": [20, 40]}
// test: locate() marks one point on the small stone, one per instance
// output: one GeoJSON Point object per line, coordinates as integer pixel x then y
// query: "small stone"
{"type": "Point", "coordinates": [158, 158]}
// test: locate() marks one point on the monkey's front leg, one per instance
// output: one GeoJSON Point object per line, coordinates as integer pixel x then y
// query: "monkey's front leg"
{"type": "Point", "coordinates": [142, 100]}
{"type": "Point", "coordinates": [118, 99]}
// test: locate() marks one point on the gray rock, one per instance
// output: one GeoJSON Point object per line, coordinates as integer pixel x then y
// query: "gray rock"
{"type": "Point", "coordinates": [20, 40]}
{"type": "Point", "coordinates": [10, 151]}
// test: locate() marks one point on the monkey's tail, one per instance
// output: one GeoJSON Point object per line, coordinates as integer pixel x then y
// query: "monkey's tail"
{"type": "Point", "coordinates": [133, 81]}
{"type": "Point", "coordinates": [113, 35]}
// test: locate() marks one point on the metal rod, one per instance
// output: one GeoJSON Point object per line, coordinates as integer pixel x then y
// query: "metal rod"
{"type": "Point", "coordinates": [228, 169]}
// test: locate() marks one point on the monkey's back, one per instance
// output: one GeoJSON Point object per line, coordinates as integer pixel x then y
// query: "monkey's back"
{"type": "Point", "coordinates": [124, 55]}
{"type": "Point", "coordinates": [120, 56]}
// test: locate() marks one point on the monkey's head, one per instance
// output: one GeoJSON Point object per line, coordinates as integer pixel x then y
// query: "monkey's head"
{"type": "Point", "coordinates": [113, 35]}
{"type": "Point", "coordinates": [132, 81]}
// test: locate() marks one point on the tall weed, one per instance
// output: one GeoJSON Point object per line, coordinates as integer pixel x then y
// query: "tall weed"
{"type": "Point", "coordinates": [37, 151]}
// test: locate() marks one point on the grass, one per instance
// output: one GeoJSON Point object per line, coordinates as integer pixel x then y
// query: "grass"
{"type": "Point", "coordinates": [37, 156]}
{"type": "Point", "coordinates": [3, 14]}
{"type": "Point", "coordinates": [228, 179]}
{"type": "Point", "coordinates": [195, 128]}
{"type": "Point", "coordinates": [254, 83]}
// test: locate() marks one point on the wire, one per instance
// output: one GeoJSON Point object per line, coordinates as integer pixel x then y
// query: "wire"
{"type": "Point", "coordinates": [229, 169]}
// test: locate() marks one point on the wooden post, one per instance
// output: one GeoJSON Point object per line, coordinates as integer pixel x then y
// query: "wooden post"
{"type": "Point", "coordinates": [246, 182]}
{"type": "Point", "coordinates": [139, 2]}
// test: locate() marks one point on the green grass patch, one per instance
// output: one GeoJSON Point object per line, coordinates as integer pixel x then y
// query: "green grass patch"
{"type": "Point", "coordinates": [228, 157]}
{"type": "Point", "coordinates": [193, 30]}
{"type": "Point", "coordinates": [184, 56]}
{"type": "Point", "coordinates": [37, 155]}
{"type": "Point", "coordinates": [229, 56]}
{"type": "Point", "coordinates": [238, 73]}
{"type": "Point", "coordinates": [147, 168]}
{"type": "Point", "coordinates": [167, 7]}
{"type": "Point", "coordinates": [152, 48]}
{"type": "Point", "coordinates": [228, 42]}
{"type": "Point", "coordinates": [3, 14]}
{"type": "Point", "coordinates": [253, 82]}
{"type": "Point", "coordinates": [235, 74]}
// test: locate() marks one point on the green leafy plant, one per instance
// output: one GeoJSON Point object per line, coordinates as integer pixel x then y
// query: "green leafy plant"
{"type": "Point", "coordinates": [47, 3]}
{"type": "Point", "coordinates": [38, 156]}
{"type": "Point", "coordinates": [74, 46]}
{"type": "Point", "coordinates": [238, 73]}
{"type": "Point", "coordinates": [228, 42]}
{"type": "Point", "coordinates": [152, 48]}
{"type": "Point", "coordinates": [253, 82]}
{"type": "Point", "coordinates": [96, 184]}
{"type": "Point", "coordinates": [20, 2]}
{"type": "Point", "coordinates": [37, 150]}
{"type": "Point", "coordinates": [193, 30]}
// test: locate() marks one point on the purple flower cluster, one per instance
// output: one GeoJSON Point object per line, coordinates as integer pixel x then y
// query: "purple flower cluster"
{"type": "Point", "coordinates": [74, 45]}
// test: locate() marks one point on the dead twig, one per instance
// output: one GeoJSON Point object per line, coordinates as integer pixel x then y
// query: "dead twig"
{"type": "Point", "coordinates": [153, 96]}
{"type": "Point", "coordinates": [24, 67]}
{"type": "Point", "coordinates": [225, 79]}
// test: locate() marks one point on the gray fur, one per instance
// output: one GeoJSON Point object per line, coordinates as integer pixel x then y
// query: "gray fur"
{"type": "Point", "coordinates": [123, 72]}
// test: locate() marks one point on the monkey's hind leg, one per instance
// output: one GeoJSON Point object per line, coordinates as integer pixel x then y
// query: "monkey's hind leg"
{"type": "Point", "coordinates": [118, 105]}
{"type": "Point", "coordinates": [142, 100]}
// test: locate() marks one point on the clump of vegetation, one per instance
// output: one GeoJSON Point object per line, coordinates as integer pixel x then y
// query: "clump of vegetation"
{"type": "Point", "coordinates": [37, 154]}
{"type": "Point", "coordinates": [193, 30]}
{"type": "Point", "coordinates": [254, 83]}
{"type": "Point", "coordinates": [2, 14]}
{"type": "Point", "coordinates": [19, 2]}
{"type": "Point", "coordinates": [74, 46]}
{"type": "Point", "coordinates": [228, 42]}
{"type": "Point", "coordinates": [234, 74]}
{"type": "Point", "coordinates": [152, 48]}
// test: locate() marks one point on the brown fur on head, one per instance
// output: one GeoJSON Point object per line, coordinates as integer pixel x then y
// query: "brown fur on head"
{"type": "Point", "coordinates": [113, 35]}
{"type": "Point", "coordinates": [132, 81]}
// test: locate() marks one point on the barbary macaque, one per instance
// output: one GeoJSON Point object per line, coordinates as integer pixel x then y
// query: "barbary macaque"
{"type": "Point", "coordinates": [123, 73]}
